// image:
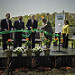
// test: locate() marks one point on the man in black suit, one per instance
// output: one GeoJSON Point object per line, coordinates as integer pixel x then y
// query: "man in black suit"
{"type": "Point", "coordinates": [47, 27]}
{"type": "Point", "coordinates": [32, 24]}
{"type": "Point", "coordinates": [6, 25]}
{"type": "Point", "coordinates": [18, 25]}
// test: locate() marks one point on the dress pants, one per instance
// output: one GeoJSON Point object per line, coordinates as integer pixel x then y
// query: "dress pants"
{"type": "Point", "coordinates": [32, 38]}
{"type": "Point", "coordinates": [18, 39]}
{"type": "Point", "coordinates": [5, 37]}
{"type": "Point", "coordinates": [65, 40]}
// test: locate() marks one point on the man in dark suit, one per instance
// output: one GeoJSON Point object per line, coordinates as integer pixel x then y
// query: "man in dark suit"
{"type": "Point", "coordinates": [32, 24]}
{"type": "Point", "coordinates": [18, 25]}
{"type": "Point", "coordinates": [6, 25]}
{"type": "Point", "coordinates": [47, 27]}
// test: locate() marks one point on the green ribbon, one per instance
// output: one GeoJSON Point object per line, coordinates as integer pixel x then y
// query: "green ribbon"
{"type": "Point", "coordinates": [28, 32]}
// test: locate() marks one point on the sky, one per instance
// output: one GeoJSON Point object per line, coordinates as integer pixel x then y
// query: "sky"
{"type": "Point", "coordinates": [27, 7]}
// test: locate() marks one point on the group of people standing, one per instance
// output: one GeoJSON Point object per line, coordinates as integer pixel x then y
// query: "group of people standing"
{"type": "Point", "coordinates": [6, 25]}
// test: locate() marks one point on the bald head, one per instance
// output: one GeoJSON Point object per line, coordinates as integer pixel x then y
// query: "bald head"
{"type": "Point", "coordinates": [44, 19]}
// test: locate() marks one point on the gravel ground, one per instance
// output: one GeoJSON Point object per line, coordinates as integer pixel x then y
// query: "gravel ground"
{"type": "Point", "coordinates": [53, 71]}
{"type": "Point", "coordinates": [50, 72]}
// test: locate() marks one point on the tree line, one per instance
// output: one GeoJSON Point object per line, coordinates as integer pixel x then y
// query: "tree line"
{"type": "Point", "coordinates": [51, 17]}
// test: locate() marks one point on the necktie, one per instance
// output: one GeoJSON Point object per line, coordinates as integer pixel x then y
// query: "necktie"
{"type": "Point", "coordinates": [20, 25]}
{"type": "Point", "coordinates": [8, 24]}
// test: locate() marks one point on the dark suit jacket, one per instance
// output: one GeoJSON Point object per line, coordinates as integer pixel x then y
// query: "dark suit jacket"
{"type": "Point", "coordinates": [34, 25]}
{"type": "Point", "coordinates": [4, 25]}
{"type": "Point", "coordinates": [49, 29]}
{"type": "Point", "coordinates": [18, 26]}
